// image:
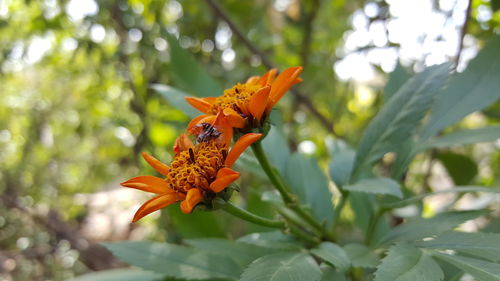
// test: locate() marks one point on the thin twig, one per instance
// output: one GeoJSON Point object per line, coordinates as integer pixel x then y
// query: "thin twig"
{"type": "Point", "coordinates": [265, 60]}
{"type": "Point", "coordinates": [463, 32]}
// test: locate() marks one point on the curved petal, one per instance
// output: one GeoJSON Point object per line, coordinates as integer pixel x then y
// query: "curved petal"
{"type": "Point", "coordinates": [225, 177]}
{"type": "Point", "coordinates": [182, 143]}
{"type": "Point", "coordinates": [154, 204]}
{"type": "Point", "coordinates": [258, 102]}
{"type": "Point", "coordinates": [282, 83]}
{"type": "Point", "coordinates": [200, 104]}
{"type": "Point", "coordinates": [233, 118]}
{"type": "Point", "coordinates": [195, 121]}
{"type": "Point", "coordinates": [239, 147]}
{"type": "Point", "coordinates": [253, 80]}
{"type": "Point", "coordinates": [268, 77]}
{"type": "Point", "coordinates": [193, 197]}
{"type": "Point", "coordinates": [149, 184]}
{"type": "Point", "coordinates": [156, 164]}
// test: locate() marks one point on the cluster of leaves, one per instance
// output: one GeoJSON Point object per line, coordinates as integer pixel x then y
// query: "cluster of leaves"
{"type": "Point", "coordinates": [418, 249]}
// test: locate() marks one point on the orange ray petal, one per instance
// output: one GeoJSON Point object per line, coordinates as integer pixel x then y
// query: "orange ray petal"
{"type": "Point", "coordinates": [154, 204]}
{"type": "Point", "coordinates": [149, 184]}
{"type": "Point", "coordinates": [253, 80]}
{"type": "Point", "coordinates": [258, 102]}
{"type": "Point", "coordinates": [239, 147]}
{"type": "Point", "coordinates": [201, 104]}
{"type": "Point", "coordinates": [195, 121]}
{"type": "Point", "coordinates": [156, 164]}
{"type": "Point", "coordinates": [225, 177]}
{"type": "Point", "coordinates": [193, 197]}
{"type": "Point", "coordinates": [233, 118]}
{"type": "Point", "coordinates": [268, 77]}
{"type": "Point", "coordinates": [182, 143]}
{"type": "Point", "coordinates": [282, 83]}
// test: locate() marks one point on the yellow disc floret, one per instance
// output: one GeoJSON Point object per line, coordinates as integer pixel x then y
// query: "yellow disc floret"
{"type": "Point", "coordinates": [196, 167]}
{"type": "Point", "coordinates": [236, 98]}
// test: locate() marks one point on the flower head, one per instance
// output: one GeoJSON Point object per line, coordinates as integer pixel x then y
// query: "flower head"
{"type": "Point", "coordinates": [198, 172]}
{"type": "Point", "coordinates": [249, 103]}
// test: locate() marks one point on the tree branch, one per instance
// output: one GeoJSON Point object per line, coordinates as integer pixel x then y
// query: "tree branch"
{"type": "Point", "coordinates": [463, 32]}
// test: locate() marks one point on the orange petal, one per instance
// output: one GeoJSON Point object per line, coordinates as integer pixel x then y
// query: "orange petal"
{"type": "Point", "coordinates": [282, 83]}
{"type": "Point", "coordinates": [195, 121]}
{"type": "Point", "coordinates": [239, 147]}
{"type": "Point", "coordinates": [253, 80]}
{"type": "Point", "coordinates": [258, 102]}
{"type": "Point", "coordinates": [201, 104]}
{"type": "Point", "coordinates": [155, 204]}
{"type": "Point", "coordinates": [268, 77]}
{"type": "Point", "coordinates": [233, 118]}
{"type": "Point", "coordinates": [156, 164]}
{"type": "Point", "coordinates": [225, 177]}
{"type": "Point", "coordinates": [182, 143]}
{"type": "Point", "coordinates": [193, 197]}
{"type": "Point", "coordinates": [149, 184]}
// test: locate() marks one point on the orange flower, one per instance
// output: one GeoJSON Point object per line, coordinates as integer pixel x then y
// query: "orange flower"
{"type": "Point", "coordinates": [197, 173]}
{"type": "Point", "coordinates": [248, 103]}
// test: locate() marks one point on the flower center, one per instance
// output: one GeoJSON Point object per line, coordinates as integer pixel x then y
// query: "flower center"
{"type": "Point", "coordinates": [196, 167]}
{"type": "Point", "coordinates": [236, 98]}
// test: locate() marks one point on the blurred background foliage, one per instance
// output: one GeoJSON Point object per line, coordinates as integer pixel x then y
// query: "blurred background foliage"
{"type": "Point", "coordinates": [77, 105]}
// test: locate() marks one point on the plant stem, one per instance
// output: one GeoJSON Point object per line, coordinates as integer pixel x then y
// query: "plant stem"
{"type": "Point", "coordinates": [340, 206]}
{"type": "Point", "coordinates": [303, 235]}
{"type": "Point", "coordinates": [372, 227]}
{"type": "Point", "coordinates": [251, 217]}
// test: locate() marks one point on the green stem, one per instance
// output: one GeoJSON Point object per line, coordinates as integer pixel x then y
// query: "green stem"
{"type": "Point", "coordinates": [340, 206]}
{"type": "Point", "coordinates": [372, 227]}
{"type": "Point", "coordinates": [251, 217]}
{"type": "Point", "coordinates": [268, 169]}
{"type": "Point", "coordinates": [303, 235]}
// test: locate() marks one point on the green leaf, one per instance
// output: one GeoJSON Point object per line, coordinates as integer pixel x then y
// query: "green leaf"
{"type": "Point", "coordinates": [341, 166]}
{"type": "Point", "coordinates": [201, 224]}
{"type": "Point", "coordinates": [175, 261]}
{"type": "Point", "coordinates": [421, 228]}
{"type": "Point", "coordinates": [176, 99]}
{"type": "Point", "coordinates": [332, 254]}
{"type": "Point", "coordinates": [484, 245]}
{"type": "Point", "coordinates": [275, 143]}
{"type": "Point", "coordinates": [397, 78]}
{"type": "Point", "coordinates": [189, 74]}
{"type": "Point", "coordinates": [495, 5]}
{"type": "Point", "coordinates": [405, 262]}
{"type": "Point", "coordinates": [377, 186]}
{"type": "Point", "coordinates": [482, 270]}
{"type": "Point", "coordinates": [330, 274]}
{"type": "Point", "coordinates": [487, 134]}
{"type": "Point", "coordinates": [473, 90]}
{"type": "Point", "coordinates": [400, 116]}
{"type": "Point", "coordinates": [456, 189]}
{"type": "Point", "coordinates": [309, 183]}
{"type": "Point", "coordinates": [283, 267]}
{"type": "Point", "coordinates": [461, 168]}
{"type": "Point", "coordinates": [361, 256]}
{"type": "Point", "coordinates": [242, 253]}
{"type": "Point", "coordinates": [272, 239]}
{"type": "Point", "coordinates": [120, 275]}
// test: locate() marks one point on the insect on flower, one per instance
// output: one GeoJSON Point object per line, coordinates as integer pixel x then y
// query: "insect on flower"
{"type": "Point", "coordinates": [198, 172]}
{"type": "Point", "coordinates": [248, 104]}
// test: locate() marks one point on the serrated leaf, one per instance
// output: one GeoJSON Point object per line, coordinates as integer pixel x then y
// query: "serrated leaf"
{"type": "Point", "coordinates": [487, 134]}
{"type": "Point", "coordinates": [176, 99]}
{"type": "Point", "coordinates": [242, 253]}
{"type": "Point", "coordinates": [400, 116]}
{"type": "Point", "coordinates": [421, 228]}
{"type": "Point", "coordinates": [283, 267]}
{"type": "Point", "coordinates": [189, 74]}
{"type": "Point", "coordinates": [376, 186]}
{"type": "Point", "coordinates": [332, 254]}
{"type": "Point", "coordinates": [461, 168]}
{"type": "Point", "coordinates": [484, 245]}
{"type": "Point", "coordinates": [404, 262]}
{"type": "Point", "coordinates": [272, 239]}
{"type": "Point", "coordinates": [361, 256]}
{"type": "Point", "coordinates": [341, 166]}
{"type": "Point", "coordinates": [482, 270]}
{"type": "Point", "coordinates": [120, 275]}
{"type": "Point", "coordinates": [469, 91]}
{"type": "Point", "coordinates": [309, 183]}
{"type": "Point", "coordinates": [175, 261]}
{"type": "Point", "coordinates": [397, 78]}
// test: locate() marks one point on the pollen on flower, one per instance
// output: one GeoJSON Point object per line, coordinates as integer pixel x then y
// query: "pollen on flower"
{"type": "Point", "coordinates": [186, 172]}
{"type": "Point", "coordinates": [236, 98]}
